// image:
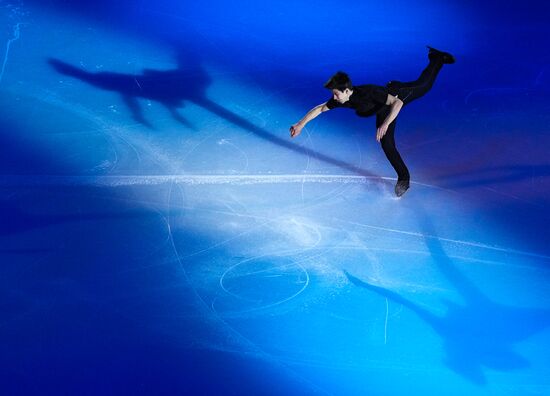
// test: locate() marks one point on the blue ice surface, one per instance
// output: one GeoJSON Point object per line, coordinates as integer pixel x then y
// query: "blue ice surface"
{"type": "Point", "coordinates": [162, 234]}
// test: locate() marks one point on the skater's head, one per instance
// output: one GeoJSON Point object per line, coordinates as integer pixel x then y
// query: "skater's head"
{"type": "Point", "coordinates": [340, 85]}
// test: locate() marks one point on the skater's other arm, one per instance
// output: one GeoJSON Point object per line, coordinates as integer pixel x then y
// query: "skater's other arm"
{"type": "Point", "coordinates": [395, 107]}
{"type": "Point", "coordinates": [296, 129]}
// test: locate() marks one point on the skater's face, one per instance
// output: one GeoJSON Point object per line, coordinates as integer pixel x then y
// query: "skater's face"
{"type": "Point", "coordinates": [340, 96]}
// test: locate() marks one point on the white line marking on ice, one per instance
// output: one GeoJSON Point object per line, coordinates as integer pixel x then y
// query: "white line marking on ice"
{"type": "Point", "coordinates": [457, 241]}
{"type": "Point", "coordinates": [386, 323]}
{"type": "Point", "coordinates": [16, 36]}
{"type": "Point", "coordinates": [191, 179]}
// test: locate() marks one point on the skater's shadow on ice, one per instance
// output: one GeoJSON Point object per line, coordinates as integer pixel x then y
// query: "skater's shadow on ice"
{"type": "Point", "coordinates": [167, 87]}
{"type": "Point", "coordinates": [187, 82]}
{"type": "Point", "coordinates": [477, 334]}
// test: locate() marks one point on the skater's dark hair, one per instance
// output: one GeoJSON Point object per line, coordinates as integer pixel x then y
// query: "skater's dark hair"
{"type": "Point", "coordinates": [339, 81]}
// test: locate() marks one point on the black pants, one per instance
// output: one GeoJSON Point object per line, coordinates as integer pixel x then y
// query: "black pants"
{"type": "Point", "coordinates": [407, 92]}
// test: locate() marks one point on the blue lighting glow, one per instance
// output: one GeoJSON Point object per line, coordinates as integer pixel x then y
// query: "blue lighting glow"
{"type": "Point", "coordinates": [163, 234]}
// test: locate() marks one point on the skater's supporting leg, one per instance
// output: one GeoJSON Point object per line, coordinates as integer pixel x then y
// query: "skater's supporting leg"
{"type": "Point", "coordinates": [388, 145]}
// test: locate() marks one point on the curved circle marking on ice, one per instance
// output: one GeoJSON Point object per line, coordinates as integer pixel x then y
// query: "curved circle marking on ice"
{"type": "Point", "coordinates": [259, 284]}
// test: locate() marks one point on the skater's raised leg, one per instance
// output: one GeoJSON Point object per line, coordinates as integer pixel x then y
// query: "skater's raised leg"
{"type": "Point", "coordinates": [412, 90]}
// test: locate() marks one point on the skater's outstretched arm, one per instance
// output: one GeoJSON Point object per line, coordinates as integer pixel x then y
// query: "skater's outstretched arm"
{"type": "Point", "coordinates": [396, 104]}
{"type": "Point", "coordinates": [296, 129]}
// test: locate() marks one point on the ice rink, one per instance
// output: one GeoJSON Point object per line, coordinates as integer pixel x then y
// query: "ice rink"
{"type": "Point", "coordinates": [162, 234]}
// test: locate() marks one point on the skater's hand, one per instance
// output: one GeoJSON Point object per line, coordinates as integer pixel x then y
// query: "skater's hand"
{"type": "Point", "coordinates": [380, 132]}
{"type": "Point", "coordinates": [295, 130]}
